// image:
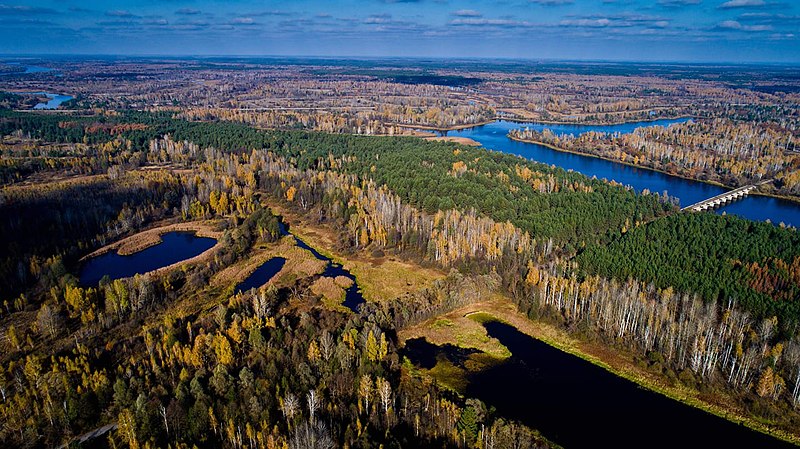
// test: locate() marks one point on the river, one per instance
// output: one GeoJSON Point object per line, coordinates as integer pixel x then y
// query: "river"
{"type": "Point", "coordinates": [580, 405]}
{"type": "Point", "coordinates": [494, 137]}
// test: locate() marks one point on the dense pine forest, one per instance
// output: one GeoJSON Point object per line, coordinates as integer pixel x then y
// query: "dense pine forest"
{"type": "Point", "coordinates": [720, 258]}
{"type": "Point", "coordinates": [177, 359]}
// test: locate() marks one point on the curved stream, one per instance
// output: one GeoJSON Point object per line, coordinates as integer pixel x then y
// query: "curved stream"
{"type": "Point", "coordinates": [352, 295]}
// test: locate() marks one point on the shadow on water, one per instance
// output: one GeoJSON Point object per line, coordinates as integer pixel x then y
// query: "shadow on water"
{"type": "Point", "coordinates": [174, 247]}
{"type": "Point", "coordinates": [580, 405]}
{"type": "Point", "coordinates": [352, 295]}
{"type": "Point", "coordinates": [262, 275]}
{"type": "Point", "coordinates": [425, 355]}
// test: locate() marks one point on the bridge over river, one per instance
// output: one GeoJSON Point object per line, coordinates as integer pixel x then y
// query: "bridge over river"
{"type": "Point", "coordinates": [724, 197]}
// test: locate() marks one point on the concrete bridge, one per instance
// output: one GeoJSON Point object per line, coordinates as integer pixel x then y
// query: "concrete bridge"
{"type": "Point", "coordinates": [720, 199]}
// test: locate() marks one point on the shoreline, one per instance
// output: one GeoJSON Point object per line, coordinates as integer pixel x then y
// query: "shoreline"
{"type": "Point", "coordinates": [617, 362]}
{"type": "Point", "coordinates": [593, 123]}
{"type": "Point", "coordinates": [643, 167]}
{"type": "Point", "coordinates": [445, 129]}
{"type": "Point", "coordinates": [459, 140]}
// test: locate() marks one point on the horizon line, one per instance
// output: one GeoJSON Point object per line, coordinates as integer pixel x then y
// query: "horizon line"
{"type": "Point", "coordinates": [387, 57]}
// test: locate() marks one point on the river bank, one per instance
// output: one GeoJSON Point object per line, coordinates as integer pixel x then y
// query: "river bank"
{"type": "Point", "coordinates": [591, 123]}
{"type": "Point", "coordinates": [443, 129]}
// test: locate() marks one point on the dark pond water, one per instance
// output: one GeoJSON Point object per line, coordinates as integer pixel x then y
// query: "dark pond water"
{"type": "Point", "coordinates": [352, 295]}
{"type": "Point", "coordinates": [262, 274]}
{"type": "Point", "coordinates": [579, 405]}
{"type": "Point", "coordinates": [493, 136]}
{"type": "Point", "coordinates": [175, 247]}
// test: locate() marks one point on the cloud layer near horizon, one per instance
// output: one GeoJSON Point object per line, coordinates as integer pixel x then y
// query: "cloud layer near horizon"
{"type": "Point", "coordinates": [685, 30]}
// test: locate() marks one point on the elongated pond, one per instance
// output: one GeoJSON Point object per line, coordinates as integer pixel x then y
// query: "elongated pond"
{"type": "Point", "coordinates": [262, 275]}
{"type": "Point", "coordinates": [174, 247]}
{"type": "Point", "coordinates": [579, 405]}
{"type": "Point", "coordinates": [494, 137]}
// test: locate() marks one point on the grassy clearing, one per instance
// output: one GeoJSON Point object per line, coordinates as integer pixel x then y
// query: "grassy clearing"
{"type": "Point", "coordinates": [331, 292]}
{"type": "Point", "coordinates": [379, 278]}
{"type": "Point", "coordinates": [459, 329]}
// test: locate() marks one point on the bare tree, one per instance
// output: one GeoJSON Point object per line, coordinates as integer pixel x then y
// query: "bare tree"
{"type": "Point", "coordinates": [314, 403]}
{"type": "Point", "coordinates": [326, 345]}
{"type": "Point", "coordinates": [163, 412]}
{"type": "Point", "coordinates": [290, 408]}
{"type": "Point", "coordinates": [262, 301]}
{"type": "Point", "coordinates": [385, 393]}
{"type": "Point", "coordinates": [48, 320]}
{"type": "Point", "coordinates": [365, 390]}
{"type": "Point", "coordinates": [311, 435]}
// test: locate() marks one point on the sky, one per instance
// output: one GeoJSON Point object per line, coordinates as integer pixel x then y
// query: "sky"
{"type": "Point", "coordinates": [637, 30]}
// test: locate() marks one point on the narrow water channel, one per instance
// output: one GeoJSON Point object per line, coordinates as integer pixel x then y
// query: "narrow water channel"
{"type": "Point", "coordinates": [261, 275]}
{"type": "Point", "coordinates": [353, 297]}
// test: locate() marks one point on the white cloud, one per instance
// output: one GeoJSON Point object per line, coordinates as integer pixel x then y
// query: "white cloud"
{"type": "Point", "coordinates": [467, 13]}
{"type": "Point", "coordinates": [736, 26]}
{"type": "Point", "coordinates": [742, 4]}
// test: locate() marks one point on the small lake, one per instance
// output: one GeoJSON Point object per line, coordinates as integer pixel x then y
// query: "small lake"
{"type": "Point", "coordinates": [37, 69]}
{"type": "Point", "coordinates": [493, 136]}
{"type": "Point", "coordinates": [174, 247]}
{"type": "Point", "coordinates": [262, 275]}
{"type": "Point", "coordinates": [579, 405]}
{"type": "Point", "coordinates": [352, 295]}
{"type": "Point", "coordinates": [53, 102]}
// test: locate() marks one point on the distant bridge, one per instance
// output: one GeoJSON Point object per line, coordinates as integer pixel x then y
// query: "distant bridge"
{"type": "Point", "coordinates": [721, 199]}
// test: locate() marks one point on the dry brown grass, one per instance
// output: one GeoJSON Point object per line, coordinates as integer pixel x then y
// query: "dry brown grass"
{"type": "Point", "coordinates": [343, 282]}
{"type": "Point", "coordinates": [328, 288]}
{"type": "Point", "coordinates": [458, 329]}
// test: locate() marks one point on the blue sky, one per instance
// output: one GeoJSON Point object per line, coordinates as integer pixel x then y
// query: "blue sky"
{"type": "Point", "coordinates": [660, 30]}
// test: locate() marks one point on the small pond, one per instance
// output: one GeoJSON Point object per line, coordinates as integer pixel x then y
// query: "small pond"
{"type": "Point", "coordinates": [174, 247]}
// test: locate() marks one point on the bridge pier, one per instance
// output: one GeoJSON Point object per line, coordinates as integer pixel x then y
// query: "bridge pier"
{"type": "Point", "coordinates": [720, 199]}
